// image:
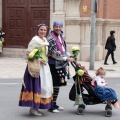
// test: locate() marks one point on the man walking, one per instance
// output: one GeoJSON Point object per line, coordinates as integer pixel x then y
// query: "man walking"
{"type": "Point", "coordinates": [111, 47]}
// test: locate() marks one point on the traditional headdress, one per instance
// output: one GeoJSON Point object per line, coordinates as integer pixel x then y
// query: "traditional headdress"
{"type": "Point", "coordinates": [38, 27]}
{"type": "Point", "coordinates": [59, 23]}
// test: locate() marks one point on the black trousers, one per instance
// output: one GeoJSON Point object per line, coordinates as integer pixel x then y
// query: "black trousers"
{"type": "Point", "coordinates": [112, 56]}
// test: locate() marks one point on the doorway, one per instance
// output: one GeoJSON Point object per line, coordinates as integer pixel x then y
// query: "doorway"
{"type": "Point", "coordinates": [20, 18]}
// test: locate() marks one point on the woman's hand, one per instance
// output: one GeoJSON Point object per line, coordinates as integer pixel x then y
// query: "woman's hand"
{"type": "Point", "coordinates": [42, 61]}
{"type": "Point", "coordinates": [27, 53]}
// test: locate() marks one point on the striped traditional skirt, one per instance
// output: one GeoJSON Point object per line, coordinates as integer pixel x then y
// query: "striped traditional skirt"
{"type": "Point", "coordinates": [30, 95]}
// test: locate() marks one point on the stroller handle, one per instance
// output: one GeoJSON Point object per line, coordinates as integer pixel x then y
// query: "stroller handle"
{"type": "Point", "coordinates": [74, 64]}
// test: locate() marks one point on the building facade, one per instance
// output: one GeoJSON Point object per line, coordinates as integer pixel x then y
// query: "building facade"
{"type": "Point", "coordinates": [19, 18]}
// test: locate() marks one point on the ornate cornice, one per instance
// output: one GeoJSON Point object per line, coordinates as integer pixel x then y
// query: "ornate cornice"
{"type": "Point", "coordinates": [86, 20]}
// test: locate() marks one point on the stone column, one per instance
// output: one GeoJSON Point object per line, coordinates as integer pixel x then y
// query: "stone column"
{"type": "Point", "coordinates": [57, 12]}
{"type": "Point", "coordinates": [99, 42]}
{"type": "Point", "coordinates": [72, 8]}
{"type": "Point", "coordinates": [72, 22]}
{"type": "Point", "coordinates": [85, 39]}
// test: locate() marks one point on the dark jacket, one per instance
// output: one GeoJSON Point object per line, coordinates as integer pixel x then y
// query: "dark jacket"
{"type": "Point", "coordinates": [110, 43]}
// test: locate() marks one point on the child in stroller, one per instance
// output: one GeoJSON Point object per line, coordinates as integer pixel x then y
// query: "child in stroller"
{"type": "Point", "coordinates": [101, 89]}
{"type": "Point", "coordinates": [84, 81]}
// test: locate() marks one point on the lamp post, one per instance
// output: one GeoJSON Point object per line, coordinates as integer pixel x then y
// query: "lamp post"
{"type": "Point", "coordinates": [92, 37]}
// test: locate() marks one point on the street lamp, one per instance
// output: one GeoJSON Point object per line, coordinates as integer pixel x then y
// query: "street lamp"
{"type": "Point", "coordinates": [92, 37]}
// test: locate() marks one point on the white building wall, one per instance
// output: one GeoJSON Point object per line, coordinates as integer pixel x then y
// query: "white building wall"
{"type": "Point", "coordinates": [77, 29]}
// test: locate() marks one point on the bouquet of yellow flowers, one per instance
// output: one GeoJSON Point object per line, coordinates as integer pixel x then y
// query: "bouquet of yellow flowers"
{"type": "Point", "coordinates": [35, 54]}
{"type": "Point", "coordinates": [80, 72]}
{"type": "Point", "coordinates": [75, 51]}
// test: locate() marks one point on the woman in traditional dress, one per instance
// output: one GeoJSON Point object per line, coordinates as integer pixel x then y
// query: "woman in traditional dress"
{"type": "Point", "coordinates": [37, 93]}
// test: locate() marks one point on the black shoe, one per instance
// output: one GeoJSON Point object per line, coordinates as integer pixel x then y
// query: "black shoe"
{"type": "Point", "coordinates": [53, 110]}
{"type": "Point", "coordinates": [58, 107]}
{"type": "Point", "coordinates": [114, 62]}
{"type": "Point", "coordinates": [106, 64]}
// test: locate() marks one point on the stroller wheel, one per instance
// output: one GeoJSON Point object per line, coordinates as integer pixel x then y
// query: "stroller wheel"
{"type": "Point", "coordinates": [108, 113]}
{"type": "Point", "coordinates": [82, 106]}
{"type": "Point", "coordinates": [108, 107]}
{"type": "Point", "coordinates": [80, 111]}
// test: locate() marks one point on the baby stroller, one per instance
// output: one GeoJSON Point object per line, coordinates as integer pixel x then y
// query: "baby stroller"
{"type": "Point", "coordinates": [81, 83]}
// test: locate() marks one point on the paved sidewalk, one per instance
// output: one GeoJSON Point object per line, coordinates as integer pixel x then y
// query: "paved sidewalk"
{"type": "Point", "coordinates": [15, 67]}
